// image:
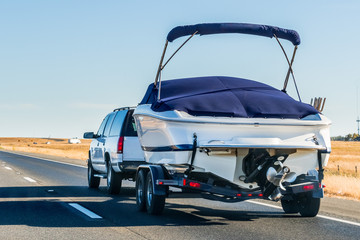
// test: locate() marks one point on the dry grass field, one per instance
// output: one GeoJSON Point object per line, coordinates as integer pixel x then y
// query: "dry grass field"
{"type": "Point", "coordinates": [55, 147]}
{"type": "Point", "coordinates": [341, 179]}
{"type": "Point", "coordinates": [346, 156]}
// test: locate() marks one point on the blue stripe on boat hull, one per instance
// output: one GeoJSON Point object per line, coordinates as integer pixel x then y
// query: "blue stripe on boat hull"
{"type": "Point", "coordinates": [171, 148]}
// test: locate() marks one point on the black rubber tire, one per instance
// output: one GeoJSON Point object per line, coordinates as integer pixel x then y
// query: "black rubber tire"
{"type": "Point", "coordinates": [140, 190]}
{"type": "Point", "coordinates": [93, 181]}
{"type": "Point", "coordinates": [309, 206]}
{"type": "Point", "coordinates": [154, 203]}
{"type": "Point", "coordinates": [290, 206]}
{"type": "Point", "coordinates": [113, 179]}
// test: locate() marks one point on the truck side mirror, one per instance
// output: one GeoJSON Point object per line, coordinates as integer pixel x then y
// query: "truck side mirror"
{"type": "Point", "coordinates": [89, 135]}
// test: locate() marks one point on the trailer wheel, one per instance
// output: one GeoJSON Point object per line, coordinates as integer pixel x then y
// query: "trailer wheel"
{"type": "Point", "coordinates": [140, 190]}
{"type": "Point", "coordinates": [309, 206]}
{"type": "Point", "coordinates": [93, 181]}
{"type": "Point", "coordinates": [290, 206]}
{"type": "Point", "coordinates": [154, 203]}
{"type": "Point", "coordinates": [113, 180]}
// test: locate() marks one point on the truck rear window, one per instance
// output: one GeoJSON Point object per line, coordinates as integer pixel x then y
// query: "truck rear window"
{"type": "Point", "coordinates": [117, 123]}
{"type": "Point", "coordinates": [130, 127]}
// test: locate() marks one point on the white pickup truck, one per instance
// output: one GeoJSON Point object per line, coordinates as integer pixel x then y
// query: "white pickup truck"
{"type": "Point", "coordinates": [115, 151]}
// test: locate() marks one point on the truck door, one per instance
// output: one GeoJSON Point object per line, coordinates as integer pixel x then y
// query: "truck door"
{"type": "Point", "coordinates": [96, 150]}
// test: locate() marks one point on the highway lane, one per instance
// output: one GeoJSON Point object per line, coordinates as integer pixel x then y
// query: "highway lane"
{"type": "Point", "coordinates": [40, 209]}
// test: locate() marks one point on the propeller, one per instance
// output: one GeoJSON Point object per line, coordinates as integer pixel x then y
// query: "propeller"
{"type": "Point", "coordinates": [271, 176]}
{"type": "Point", "coordinates": [277, 178]}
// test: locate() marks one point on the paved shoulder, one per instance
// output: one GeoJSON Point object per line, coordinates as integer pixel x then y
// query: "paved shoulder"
{"type": "Point", "coordinates": [343, 208]}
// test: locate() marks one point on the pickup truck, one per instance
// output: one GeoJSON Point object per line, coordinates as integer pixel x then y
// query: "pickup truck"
{"type": "Point", "coordinates": [115, 151]}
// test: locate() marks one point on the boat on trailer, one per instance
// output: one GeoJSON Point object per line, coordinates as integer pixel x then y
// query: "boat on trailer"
{"type": "Point", "coordinates": [233, 138]}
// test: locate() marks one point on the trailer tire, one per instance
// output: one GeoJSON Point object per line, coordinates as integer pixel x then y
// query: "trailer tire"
{"type": "Point", "coordinates": [140, 190]}
{"type": "Point", "coordinates": [113, 179]}
{"type": "Point", "coordinates": [93, 182]}
{"type": "Point", "coordinates": [290, 206]}
{"type": "Point", "coordinates": [154, 203]}
{"type": "Point", "coordinates": [309, 206]}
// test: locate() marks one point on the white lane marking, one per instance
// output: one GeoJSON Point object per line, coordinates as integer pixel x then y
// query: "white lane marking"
{"type": "Point", "coordinates": [49, 160]}
{"type": "Point", "coordinates": [8, 168]}
{"type": "Point", "coordinates": [320, 216]}
{"type": "Point", "coordinates": [264, 204]}
{"type": "Point", "coordinates": [85, 211]}
{"type": "Point", "coordinates": [29, 179]}
{"type": "Point", "coordinates": [339, 220]}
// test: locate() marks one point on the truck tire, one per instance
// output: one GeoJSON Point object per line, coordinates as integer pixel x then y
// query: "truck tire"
{"type": "Point", "coordinates": [113, 180]}
{"type": "Point", "coordinates": [93, 181]}
{"type": "Point", "coordinates": [140, 190]}
{"type": "Point", "coordinates": [290, 206]}
{"type": "Point", "coordinates": [309, 206]}
{"type": "Point", "coordinates": [154, 203]}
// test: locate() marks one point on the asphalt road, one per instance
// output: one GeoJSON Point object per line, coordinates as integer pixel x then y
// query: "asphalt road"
{"type": "Point", "coordinates": [39, 199]}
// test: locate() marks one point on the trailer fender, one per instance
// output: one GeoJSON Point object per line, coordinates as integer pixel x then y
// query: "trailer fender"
{"type": "Point", "coordinates": [318, 193]}
{"type": "Point", "coordinates": [157, 172]}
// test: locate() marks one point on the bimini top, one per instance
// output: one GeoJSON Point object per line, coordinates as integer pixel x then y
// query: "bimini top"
{"type": "Point", "coordinates": [225, 97]}
{"type": "Point", "coordinates": [245, 28]}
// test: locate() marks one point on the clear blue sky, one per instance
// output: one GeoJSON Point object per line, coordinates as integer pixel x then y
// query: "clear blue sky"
{"type": "Point", "coordinates": [65, 64]}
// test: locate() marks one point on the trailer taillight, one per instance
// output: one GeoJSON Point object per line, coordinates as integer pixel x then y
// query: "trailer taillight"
{"type": "Point", "coordinates": [194, 184]}
{"type": "Point", "coordinates": [250, 195]}
{"type": "Point", "coordinates": [308, 187]}
{"type": "Point", "coordinates": [120, 147]}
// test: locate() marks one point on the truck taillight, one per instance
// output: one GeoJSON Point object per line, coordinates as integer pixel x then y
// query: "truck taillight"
{"type": "Point", "coordinates": [120, 145]}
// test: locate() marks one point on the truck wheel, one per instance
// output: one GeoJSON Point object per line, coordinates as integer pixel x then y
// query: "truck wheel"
{"type": "Point", "coordinates": [309, 206]}
{"type": "Point", "coordinates": [93, 181]}
{"type": "Point", "coordinates": [113, 180]}
{"type": "Point", "coordinates": [154, 203]}
{"type": "Point", "coordinates": [140, 191]}
{"type": "Point", "coordinates": [290, 206]}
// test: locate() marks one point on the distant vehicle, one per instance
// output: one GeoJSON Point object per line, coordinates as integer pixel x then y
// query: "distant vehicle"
{"type": "Point", "coordinates": [73, 141]}
{"type": "Point", "coordinates": [115, 151]}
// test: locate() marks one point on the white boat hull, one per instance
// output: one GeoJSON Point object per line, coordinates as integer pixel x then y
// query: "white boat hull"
{"type": "Point", "coordinates": [167, 138]}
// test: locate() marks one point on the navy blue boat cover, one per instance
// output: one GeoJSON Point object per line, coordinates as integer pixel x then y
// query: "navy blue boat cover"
{"type": "Point", "coordinates": [246, 28]}
{"type": "Point", "coordinates": [225, 97]}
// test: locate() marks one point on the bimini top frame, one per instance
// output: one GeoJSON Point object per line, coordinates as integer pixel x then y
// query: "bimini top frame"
{"type": "Point", "coordinates": [219, 28]}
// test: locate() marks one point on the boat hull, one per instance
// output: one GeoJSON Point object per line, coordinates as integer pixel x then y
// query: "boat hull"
{"type": "Point", "coordinates": [222, 143]}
